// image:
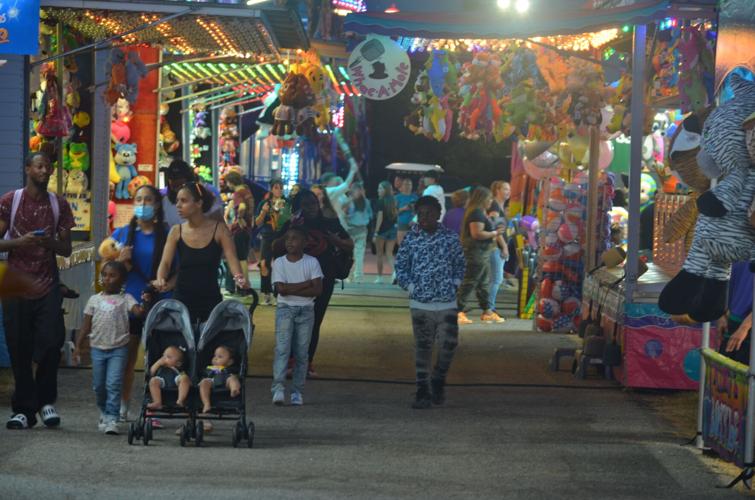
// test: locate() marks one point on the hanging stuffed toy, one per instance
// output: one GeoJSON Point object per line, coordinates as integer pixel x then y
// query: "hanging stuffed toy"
{"type": "Point", "coordinates": [284, 114]}
{"type": "Point", "coordinates": [125, 158]}
{"type": "Point", "coordinates": [55, 119]}
{"type": "Point", "coordinates": [115, 70]}
{"type": "Point", "coordinates": [135, 71]}
{"type": "Point", "coordinates": [723, 233]}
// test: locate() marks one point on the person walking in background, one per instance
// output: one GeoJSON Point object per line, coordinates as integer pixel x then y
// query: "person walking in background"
{"type": "Point", "coordinates": [272, 213]}
{"type": "Point", "coordinates": [359, 215]}
{"type": "Point", "coordinates": [143, 240]}
{"type": "Point", "coordinates": [240, 218]}
{"type": "Point", "coordinates": [328, 242]}
{"type": "Point", "coordinates": [297, 278]}
{"type": "Point", "coordinates": [430, 266]}
{"type": "Point", "coordinates": [37, 226]}
{"type": "Point", "coordinates": [336, 189]}
{"type": "Point", "coordinates": [405, 206]}
{"type": "Point", "coordinates": [454, 217]}
{"type": "Point", "coordinates": [496, 213]}
{"type": "Point", "coordinates": [385, 224]}
{"type": "Point", "coordinates": [327, 209]}
{"type": "Point", "coordinates": [739, 308]}
{"type": "Point", "coordinates": [177, 174]}
{"type": "Point", "coordinates": [200, 242]}
{"type": "Point", "coordinates": [432, 188]}
{"type": "Point", "coordinates": [478, 238]}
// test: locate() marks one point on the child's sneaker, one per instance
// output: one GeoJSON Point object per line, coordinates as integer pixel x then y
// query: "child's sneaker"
{"type": "Point", "coordinates": [491, 317]}
{"type": "Point", "coordinates": [111, 428]}
{"type": "Point", "coordinates": [279, 397]}
{"type": "Point", "coordinates": [462, 319]}
{"type": "Point", "coordinates": [296, 399]}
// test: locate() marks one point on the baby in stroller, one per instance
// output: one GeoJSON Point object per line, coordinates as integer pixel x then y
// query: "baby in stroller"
{"type": "Point", "coordinates": [223, 372]}
{"type": "Point", "coordinates": [167, 373]}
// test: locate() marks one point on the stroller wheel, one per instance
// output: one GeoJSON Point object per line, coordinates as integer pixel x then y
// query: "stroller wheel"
{"type": "Point", "coordinates": [182, 435]}
{"type": "Point", "coordinates": [131, 432]}
{"type": "Point", "coordinates": [191, 430]}
{"type": "Point", "coordinates": [199, 434]}
{"type": "Point", "coordinates": [148, 430]}
{"type": "Point", "coordinates": [235, 436]}
{"type": "Point", "coordinates": [250, 435]}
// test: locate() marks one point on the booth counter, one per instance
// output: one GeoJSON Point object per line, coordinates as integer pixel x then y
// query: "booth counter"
{"type": "Point", "coordinates": [656, 352]}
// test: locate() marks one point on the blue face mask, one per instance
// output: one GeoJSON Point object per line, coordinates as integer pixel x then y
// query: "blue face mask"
{"type": "Point", "coordinates": [144, 212]}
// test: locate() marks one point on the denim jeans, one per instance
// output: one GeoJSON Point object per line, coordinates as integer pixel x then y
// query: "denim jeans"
{"type": "Point", "coordinates": [359, 235]}
{"type": "Point", "coordinates": [293, 330]}
{"type": "Point", "coordinates": [107, 372]}
{"type": "Point", "coordinates": [496, 276]}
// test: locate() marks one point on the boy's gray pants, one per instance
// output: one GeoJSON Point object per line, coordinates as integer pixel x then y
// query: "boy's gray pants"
{"type": "Point", "coordinates": [429, 326]}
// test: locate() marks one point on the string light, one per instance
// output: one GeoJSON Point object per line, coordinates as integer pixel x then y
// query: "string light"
{"type": "Point", "coordinates": [344, 7]}
{"type": "Point", "coordinates": [289, 167]}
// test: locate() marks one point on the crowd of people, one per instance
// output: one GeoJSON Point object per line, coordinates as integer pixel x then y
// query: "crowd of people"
{"type": "Point", "coordinates": [178, 239]}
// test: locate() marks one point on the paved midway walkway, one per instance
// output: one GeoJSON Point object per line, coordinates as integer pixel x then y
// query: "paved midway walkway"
{"type": "Point", "coordinates": [510, 429]}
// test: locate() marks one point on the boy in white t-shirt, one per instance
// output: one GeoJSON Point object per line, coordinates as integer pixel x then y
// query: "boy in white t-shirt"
{"type": "Point", "coordinates": [297, 278]}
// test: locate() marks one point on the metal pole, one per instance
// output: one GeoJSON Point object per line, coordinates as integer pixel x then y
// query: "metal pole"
{"type": "Point", "coordinates": [750, 422]}
{"type": "Point", "coordinates": [592, 198]}
{"type": "Point", "coordinates": [635, 171]}
{"type": "Point", "coordinates": [701, 390]}
{"type": "Point", "coordinates": [94, 45]}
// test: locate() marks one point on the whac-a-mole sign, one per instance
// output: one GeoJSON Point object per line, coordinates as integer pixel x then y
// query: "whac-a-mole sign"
{"type": "Point", "coordinates": [379, 68]}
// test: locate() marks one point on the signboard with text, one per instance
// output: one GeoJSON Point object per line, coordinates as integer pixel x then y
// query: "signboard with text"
{"type": "Point", "coordinates": [379, 68]}
{"type": "Point", "coordinates": [725, 407]}
{"type": "Point", "coordinates": [19, 27]}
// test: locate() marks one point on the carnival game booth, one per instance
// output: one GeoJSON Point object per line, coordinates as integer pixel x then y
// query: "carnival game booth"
{"type": "Point", "coordinates": [566, 84]}
{"type": "Point", "coordinates": [94, 78]}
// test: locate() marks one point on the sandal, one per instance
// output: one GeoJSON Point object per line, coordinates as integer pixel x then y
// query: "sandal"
{"type": "Point", "coordinates": [17, 422]}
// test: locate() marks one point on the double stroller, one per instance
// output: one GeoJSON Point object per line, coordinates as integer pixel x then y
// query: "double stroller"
{"type": "Point", "coordinates": [168, 324]}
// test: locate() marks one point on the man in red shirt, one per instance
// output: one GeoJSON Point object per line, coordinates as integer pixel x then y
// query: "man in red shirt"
{"type": "Point", "coordinates": [39, 229]}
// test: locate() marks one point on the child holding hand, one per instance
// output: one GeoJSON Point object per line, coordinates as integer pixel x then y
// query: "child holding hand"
{"type": "Point", "coordinates": [166, 373]}
{"type": "Point", "coordinates": [221, 373]}
{"type": "Point", "coordinates": [106, 325]}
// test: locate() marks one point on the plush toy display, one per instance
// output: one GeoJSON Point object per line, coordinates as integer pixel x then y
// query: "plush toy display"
{"type": "Point", "coordinates": [109, 249]}
{"type": "Point", "coordinates": [135, 71]}
{"type": "Point", "coordinates": [125, 158]}
{"type": "Point", "coordinates": [284, 114]}
{"type": "Point", "coordinates": [137, 182]}
{"type": "Point", "coordinates": [168, 138]}
{"type": "Point", "coordinates": [723, 233]}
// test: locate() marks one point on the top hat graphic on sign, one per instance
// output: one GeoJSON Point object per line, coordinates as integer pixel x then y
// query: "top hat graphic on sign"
{"type": "Point", "coordinates": [371, 51]}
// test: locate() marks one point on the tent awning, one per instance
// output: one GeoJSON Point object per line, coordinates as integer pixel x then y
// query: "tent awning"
{"type": "Point", "coordinates": [492, 23]}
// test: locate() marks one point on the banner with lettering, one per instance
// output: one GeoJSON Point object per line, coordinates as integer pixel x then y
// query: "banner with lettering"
{"type": "Point", "coordinates": [725, 406]}
{"type": "Point", "coordinates": [19, 27]}
{"type": "Point", "coordinates": [379, 68]}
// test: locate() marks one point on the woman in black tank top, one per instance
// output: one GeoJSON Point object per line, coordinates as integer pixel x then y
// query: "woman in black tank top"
{"type": "Point", "coordinates": [200, 243]}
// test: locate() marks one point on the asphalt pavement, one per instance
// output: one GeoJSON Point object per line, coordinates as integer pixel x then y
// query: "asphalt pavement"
{"type": "Point", "coordinates": [510, 428]}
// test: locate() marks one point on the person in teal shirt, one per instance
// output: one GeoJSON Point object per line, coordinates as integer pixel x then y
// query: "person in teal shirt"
{"type": "Point", "coordinates": [405, 201]}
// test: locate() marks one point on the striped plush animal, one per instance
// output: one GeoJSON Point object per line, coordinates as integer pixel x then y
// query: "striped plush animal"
{"type": "Point", "coordinates": [723, 233]}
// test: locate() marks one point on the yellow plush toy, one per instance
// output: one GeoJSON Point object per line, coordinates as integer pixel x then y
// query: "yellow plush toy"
{"type": "Point", "coordinates": [109, 249]}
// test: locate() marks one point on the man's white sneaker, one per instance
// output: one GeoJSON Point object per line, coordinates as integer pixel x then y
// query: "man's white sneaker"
{"type": "Point", "coordinates": [111, 427]}
{"type": "Point", "coordinates": [49, 416]}
{"type": "Point", "coordinates": [279, 397]}
{"type": "Point", "coordinates": [102, 423]}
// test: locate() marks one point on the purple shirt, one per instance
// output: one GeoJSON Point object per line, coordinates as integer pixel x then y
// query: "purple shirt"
{"type": "Point", "coordinates": [740, 290]}
{"type": "Point", "coordinates": [453, 219]}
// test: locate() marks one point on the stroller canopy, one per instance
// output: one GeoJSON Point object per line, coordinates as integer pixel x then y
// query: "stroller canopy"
{"type": "Point", "coordinates": [228, 315]}
{"type": "Point", "coordinates": [169, 315]}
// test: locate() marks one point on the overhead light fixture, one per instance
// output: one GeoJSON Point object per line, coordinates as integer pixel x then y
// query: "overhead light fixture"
{"type": "Point", "coordinates": [522, 6]}
{"type": "Point", "coordinates": [504, 4]}
{"type": "Point", "coordinates": [392, 9]}
{"type": "Point", "coordinates": [254, 2]}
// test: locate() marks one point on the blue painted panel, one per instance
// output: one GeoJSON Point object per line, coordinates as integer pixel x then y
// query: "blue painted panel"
{"type": "Point", "coordinates": [12, 147]}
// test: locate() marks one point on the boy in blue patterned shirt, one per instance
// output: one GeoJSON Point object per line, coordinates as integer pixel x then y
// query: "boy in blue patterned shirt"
{"type": "Point", "coordinates": [430, 266]}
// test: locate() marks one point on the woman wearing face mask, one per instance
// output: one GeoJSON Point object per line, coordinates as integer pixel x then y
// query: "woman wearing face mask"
{"type": "Point", "coordinates": [200, 243]}
{"type": "Point", "coordinates": [143, 240]}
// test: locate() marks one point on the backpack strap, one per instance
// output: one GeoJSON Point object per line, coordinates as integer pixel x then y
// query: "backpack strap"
{"type": "Point", "coordinates": [55, 205]}
{"type": "Point", "coordinates": [13, 209]}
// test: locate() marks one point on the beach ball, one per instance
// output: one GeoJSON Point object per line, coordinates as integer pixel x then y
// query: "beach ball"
{"type": "Point", "coordinates": [553, 225]}
{"type": "Point", "coordinates": [550, 239]}
{"type": "Point", "coordinates": [571, 274]}
{"type": "Point", "coordinates": [543, 324]}
{"type": "Point", "coordinates": [572, 191]}
{"type": "Point", "coordinates": [570, 306]}
{"type": "Point", "coordinates": [556, 203]}
{"type": "Point", "coordinates": [568, 231]}
{"type": "Point", "coordinates": [572, 251]}
{"type": "Point", "coordinates": [546, 288]}
{"type": "Point", "coordinates": [573, 213]}
{"type": "Point", "coordinates": [549, 308]}
{"type": "Point", "coordinates": [551, 253]}
{"type": "Point", "coordinates": [563, 323]}
{"type": "Point", "coordinates": [552, 266]}
{"type": "Point", "coordinates": [561, 290]}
